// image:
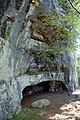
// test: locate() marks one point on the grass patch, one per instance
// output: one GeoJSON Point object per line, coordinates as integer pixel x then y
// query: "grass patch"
{"type": "Point", "coordinates": [25, 114]}
{"type": "Point", "coordinates": [29, 114]}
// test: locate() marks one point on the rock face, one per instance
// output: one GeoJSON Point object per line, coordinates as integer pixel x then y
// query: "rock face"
{"type": "Point", "coordinates": [19, 45]}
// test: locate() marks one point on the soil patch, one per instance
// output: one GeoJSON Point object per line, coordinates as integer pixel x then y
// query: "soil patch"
{"type": "Point", "coordinates": [62, 107]}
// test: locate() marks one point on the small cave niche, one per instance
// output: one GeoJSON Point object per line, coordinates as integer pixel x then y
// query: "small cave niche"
{"type": "Point", "coordinates": [42, 90]}
{"type": "Point", "coordinates": [44, 87]}
{"type": "Point", "coordinates": [33, 89]}
{"type": "Point", "coordinates": [34, 92]}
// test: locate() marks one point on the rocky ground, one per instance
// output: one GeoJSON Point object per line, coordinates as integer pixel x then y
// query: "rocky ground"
{"type": "Point", "coordinates": [62, 106]}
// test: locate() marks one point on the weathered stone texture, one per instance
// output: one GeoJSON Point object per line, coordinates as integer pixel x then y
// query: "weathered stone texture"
{"type": "Point", "coordinates": [16, 58]}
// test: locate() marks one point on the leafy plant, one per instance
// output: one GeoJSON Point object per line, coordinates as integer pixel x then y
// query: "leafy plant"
{"type": "Point", "coordinates": [29, 114]}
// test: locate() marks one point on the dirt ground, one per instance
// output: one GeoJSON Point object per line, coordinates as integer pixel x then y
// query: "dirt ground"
{"type": "Point", "coordinates": [62, 106]}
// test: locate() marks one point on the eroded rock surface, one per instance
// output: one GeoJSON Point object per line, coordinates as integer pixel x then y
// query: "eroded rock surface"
{"type": "Point", "coordinates": [23, 37]}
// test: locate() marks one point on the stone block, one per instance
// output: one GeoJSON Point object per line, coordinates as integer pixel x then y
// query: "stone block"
{"type": "Point", "coordinates": [41, 103]}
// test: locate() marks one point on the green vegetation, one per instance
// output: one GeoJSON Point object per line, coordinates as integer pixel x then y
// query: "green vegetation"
{"type": "Point", "coordinates": [24, 115]}
{"type": "Point", "coordinates": [29, 114]}
{"type": "Point", "coordinates": [65, 29]}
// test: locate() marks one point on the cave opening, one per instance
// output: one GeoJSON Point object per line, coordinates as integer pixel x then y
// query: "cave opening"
{"type": "Point", "coordinates": [42, 90]}
{"type": "Point", "coordinates": [37, 88]}
{"type": "Point", "coordinates": [34, 92]}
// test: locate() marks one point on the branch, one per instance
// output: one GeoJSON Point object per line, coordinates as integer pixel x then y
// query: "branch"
{"type": "Point", "coordinates": [73, 7]}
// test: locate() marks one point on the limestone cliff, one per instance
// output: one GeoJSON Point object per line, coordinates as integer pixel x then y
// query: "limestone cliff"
{"type": "Point", "coordinates": [24, 37]}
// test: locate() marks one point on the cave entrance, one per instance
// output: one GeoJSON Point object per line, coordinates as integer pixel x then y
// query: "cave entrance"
{"type": "Point", "coordinates": [32, 89]}
{"type": "Point", "coordinates": [41, 90]}
{"type": "Point", "coordinates": [34, 92]}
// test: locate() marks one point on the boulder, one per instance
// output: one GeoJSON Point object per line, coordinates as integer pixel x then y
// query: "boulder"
{"type": "Point", "coordinates": [76, 94]}
{"type": "Point", "coordinates": [41, 103]}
